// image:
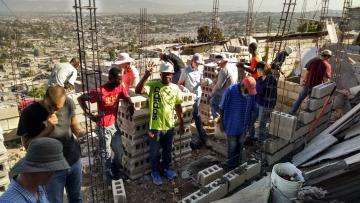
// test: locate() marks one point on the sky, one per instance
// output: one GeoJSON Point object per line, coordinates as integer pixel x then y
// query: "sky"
{"type": "Point", "coordinates": [160, 6]}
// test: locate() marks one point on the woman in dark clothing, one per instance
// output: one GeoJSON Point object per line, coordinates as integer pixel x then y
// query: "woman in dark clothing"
{"type": "Point", "coordinates": [266, 87]}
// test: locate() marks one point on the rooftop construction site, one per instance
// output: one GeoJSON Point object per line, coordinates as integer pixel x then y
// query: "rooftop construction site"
{"type": "Point", "coordinates": [252, 117]}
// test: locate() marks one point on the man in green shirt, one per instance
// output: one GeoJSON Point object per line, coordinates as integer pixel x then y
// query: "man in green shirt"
{"type": "Point", "coordinates": [164, 98]}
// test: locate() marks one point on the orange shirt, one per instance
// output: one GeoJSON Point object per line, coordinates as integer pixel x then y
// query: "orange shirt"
{"type": "Point", "coordinates": [254, 61]}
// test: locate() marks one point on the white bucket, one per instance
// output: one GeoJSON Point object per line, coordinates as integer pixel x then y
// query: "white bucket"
{"type": "Point", "coordinates": [286, 188]}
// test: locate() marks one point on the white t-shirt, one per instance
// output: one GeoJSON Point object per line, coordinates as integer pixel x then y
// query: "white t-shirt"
{"type": "Point", "coordinates": [62, 73]}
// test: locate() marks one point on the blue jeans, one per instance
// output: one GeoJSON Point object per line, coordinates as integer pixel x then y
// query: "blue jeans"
{"type": "Point", "coordinates": [197, 118]}
{"type": "Point", "coordinates": [254, 117]}
{"type": "Point", "coordinates": [235, 147]}
{"type": "Point", "coordinates": [264, 118]}
{"type": "Point", "coordinates": [215, 105]}
{"type": "Point", "coordinates": [303, 94]}
{"type": "Point", "coordinates": [164, 140]}
{"type": "Point", "coordinates": [111, 137]}
{"type": "Point", "coordinates": [71, 180]}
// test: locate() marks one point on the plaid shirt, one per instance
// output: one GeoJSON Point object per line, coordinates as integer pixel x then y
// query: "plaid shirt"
{"type": "Point", "coordinates": [266, 91]}
{"type": "Point", "coordinates": [17, 194]}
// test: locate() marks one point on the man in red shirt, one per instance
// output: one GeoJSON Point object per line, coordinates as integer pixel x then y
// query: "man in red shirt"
{"type": "Point", "coordinates": [107, 98]}
{"type": "Point", "coordinates": [255, 58]}
{"type": "Point", "coordinates": [318, 71]}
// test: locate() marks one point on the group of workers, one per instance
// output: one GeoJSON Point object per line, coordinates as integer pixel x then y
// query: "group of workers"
{"type": "Point", "coordinates": [50, 130]}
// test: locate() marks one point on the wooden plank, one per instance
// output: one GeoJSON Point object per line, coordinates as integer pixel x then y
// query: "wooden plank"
{"type": "Point", "coordinates": [338, 150]}
{"type": "Point", "coordinates": [324, 169]}
{"type": "Point", "coordinates": [317, 145]}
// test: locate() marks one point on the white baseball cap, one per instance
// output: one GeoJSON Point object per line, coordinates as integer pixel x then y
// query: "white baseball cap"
{"type": "Point", "coordinates": [166, 67]}
{"type": "Point", "coordinates": [123, 58]}
{"type": "Point", "coordinates": [220, 58]}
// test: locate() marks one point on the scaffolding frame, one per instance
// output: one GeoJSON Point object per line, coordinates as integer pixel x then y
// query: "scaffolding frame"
{"type": "Point", "coordinates": [143, 40]}
{"type": "Point", "coordinates": [284, 25]}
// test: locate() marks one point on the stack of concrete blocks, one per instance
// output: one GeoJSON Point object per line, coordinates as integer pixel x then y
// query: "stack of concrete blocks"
{"type": "Point", "coordinates": [4, 167]}
{"type": "Point", "coordinates": [9, 119]}
{"type": "Point", "coordinates": [210, 71]}
{"type": "Point", "coordinates": [118, 190]}
{"type": "Point", "coordinates": [288, 133]}
{"type": "Point", "coordinates": [136, 159]}
{"type": "Point", "coordinates": [222, 184]}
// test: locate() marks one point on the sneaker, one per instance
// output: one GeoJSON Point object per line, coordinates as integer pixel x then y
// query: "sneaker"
{"type": "Point", "coordinates": [170, 174]}
{"type": "Point", "coordinates": [156, 178]}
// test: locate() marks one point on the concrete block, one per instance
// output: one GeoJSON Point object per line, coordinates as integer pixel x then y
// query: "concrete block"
{"type": "Point", "coordinates": [135, 147]}
{"type": "Point", "coordinates": [274, 144]}
{"type": "Point", "coordinates": [4, 124]}
{"type": "Point", "coordinates": [313, 104]}
{"type": "Point", "coordinates": [140, 127]}
{"type": "Point", "coordinates": [9, 112]}
{"type": "Point", "coordinates": [209, 174]}
{"type": "Point", "coordinates": [188, 98]}
{"type": "Point", "coordinates": [13, 123]}
{"type": "Point", "coordinates": [282, 125]}
{"type": "Point", "coordinates": [196, 197]}
{"type": "Point", "coordinates": [236, 177]}
{"type": "Point", "coordinates": [322, 90]}
{"type": "Point", "coordinates": [218, 189]}
{"type": "Point", "coordinates": [252, 170]}
{"type": "Point", "coordinates": [273, 158]}
{"type": "Point", "coordinates": [140, 102]}
{"type": "Point", "coordinates": [118, 190]}
{"type": "Point", "coordinates": [307, 117]}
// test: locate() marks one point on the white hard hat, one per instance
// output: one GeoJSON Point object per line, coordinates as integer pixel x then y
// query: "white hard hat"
{"type": "Point", "coordinates": [166, 67]}
{"type": "Point", "coordinates": [288, 50]}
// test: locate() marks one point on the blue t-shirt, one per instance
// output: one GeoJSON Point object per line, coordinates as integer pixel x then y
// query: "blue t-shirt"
{"type": "Point", "coordinates": [237, 111]}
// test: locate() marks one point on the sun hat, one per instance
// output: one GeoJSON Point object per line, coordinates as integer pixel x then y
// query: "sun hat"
{"type": "Point", "coordinates": [250, 84]}
{"type": "Point", "coordinates": [166, 67]}
{"type": "Point", "coordinates": [123, 58]}
{"type": "Point", "coordinates": [43, 155]}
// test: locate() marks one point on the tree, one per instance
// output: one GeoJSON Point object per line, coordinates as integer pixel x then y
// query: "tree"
{"type": "Point", "coordinates": [186, 40]}
{"type": "Point", "coordinates": [310, 26]}
{"type": "Point", "coordinates": [216, 34]}
{"type": "Point", "coordinates": [204, 34]}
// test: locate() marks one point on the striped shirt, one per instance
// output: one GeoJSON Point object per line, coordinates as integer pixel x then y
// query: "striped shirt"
{"type": "Point", "coordinates": [17, 194]}
{"type": "Point", "coordinates": [237, 111]}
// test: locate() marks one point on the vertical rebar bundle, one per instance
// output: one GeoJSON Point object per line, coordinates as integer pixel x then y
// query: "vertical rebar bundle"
{"type": "Point", "coordinates": [345, 22]}
{"type": "Point", "coordinates": [324, 11]}
{"type": "Point", "coordinates": [88, 50]}
{"type": "Point", "coordinates": [249, 18]}
{"type": "Point", "coordinates": [285, 23]}
{"type": "Point", "coordinates": [215, 15]}
{"type": "Point", "coordinates": [143, 39]}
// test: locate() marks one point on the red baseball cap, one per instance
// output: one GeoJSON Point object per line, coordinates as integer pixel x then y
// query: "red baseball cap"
{"type": "Point", "coordinates": [250, 84]}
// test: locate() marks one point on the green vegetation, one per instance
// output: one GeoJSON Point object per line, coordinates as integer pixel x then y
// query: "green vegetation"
{"type": "Point", "coordinates": [38, 92]}
{"type": "Point", "coordinates": [205, 35]}
{"type": "Point", "coordinates": [310, 26]}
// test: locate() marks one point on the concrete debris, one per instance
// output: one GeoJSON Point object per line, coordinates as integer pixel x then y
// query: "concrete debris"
{"type": "Point", "coordinates": [309, 193]}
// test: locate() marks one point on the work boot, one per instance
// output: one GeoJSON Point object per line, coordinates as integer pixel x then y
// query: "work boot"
{"type": "Point", "coordinates": [156, 178]}
{"type": "Point", "coordinates": [170, 174]}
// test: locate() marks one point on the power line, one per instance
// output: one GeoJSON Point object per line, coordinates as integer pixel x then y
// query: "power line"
{"type": "Point", "coordinates": [8, 8]}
